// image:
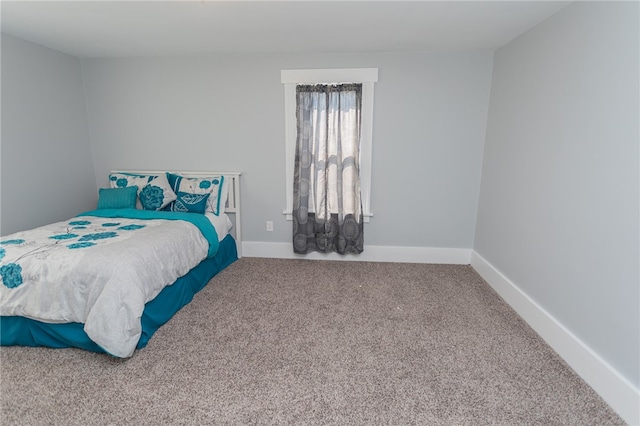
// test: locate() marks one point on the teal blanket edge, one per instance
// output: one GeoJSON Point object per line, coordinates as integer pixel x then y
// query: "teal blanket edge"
{"type": "Point", "coordinates": [199, 220]}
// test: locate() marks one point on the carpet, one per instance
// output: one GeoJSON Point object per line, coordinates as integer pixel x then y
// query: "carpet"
{"type": "Point", "coordinates": [292, 341]}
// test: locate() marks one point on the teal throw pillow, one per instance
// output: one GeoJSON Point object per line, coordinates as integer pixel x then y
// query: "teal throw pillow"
{"type": "Point", "coordinates": [190, 203]}
{"type": "Point", "coordinates": [117, 198]}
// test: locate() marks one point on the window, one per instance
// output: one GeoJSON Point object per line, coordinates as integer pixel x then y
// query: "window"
{"type": "Point", "coordinates": [366, 76]}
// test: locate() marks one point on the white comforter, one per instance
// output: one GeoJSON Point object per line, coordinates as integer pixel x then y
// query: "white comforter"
{"type": "Point", "coordinates": [96, 271]}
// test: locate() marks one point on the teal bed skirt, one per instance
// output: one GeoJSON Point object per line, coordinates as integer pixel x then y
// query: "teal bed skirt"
{"type": "Point", "coordinates": [27, 332]}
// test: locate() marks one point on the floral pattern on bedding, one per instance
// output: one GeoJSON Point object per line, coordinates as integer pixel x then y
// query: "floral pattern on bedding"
{"type": "Point", "coordinates": [71, 235]}
{"type": "Point", "coordinates": [99, 271]}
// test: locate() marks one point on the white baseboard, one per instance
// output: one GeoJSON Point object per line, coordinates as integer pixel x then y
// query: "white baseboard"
{"type": "Point", "coordinates": [615, 389]}
{"type": "Point", "coordinates": [370, 253]}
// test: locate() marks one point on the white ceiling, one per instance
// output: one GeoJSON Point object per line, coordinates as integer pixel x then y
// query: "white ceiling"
{"type": "Point", "coordinates": [89, 29]}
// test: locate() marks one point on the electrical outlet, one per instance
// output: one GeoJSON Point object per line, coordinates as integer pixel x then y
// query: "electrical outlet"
{"type": "Point", "coordinates": [269, 226]}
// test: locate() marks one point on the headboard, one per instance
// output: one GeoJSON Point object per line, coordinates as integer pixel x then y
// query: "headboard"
{"type": "Point", "coordinates": [233, 198]}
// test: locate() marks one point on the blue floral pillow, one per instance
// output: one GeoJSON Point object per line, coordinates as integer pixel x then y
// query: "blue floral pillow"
{"type": "Point", "coordinates": [212, 185]}
{"type": "Point", "coordinates": [190, 203]}
{"type": "Point", "coordinates": [157, 194]}
{"type": "Point", "coordinates": [117, 198]}
{"type": "Point", "coordinates": [122, 180]}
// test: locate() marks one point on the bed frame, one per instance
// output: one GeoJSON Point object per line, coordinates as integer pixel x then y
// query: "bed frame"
{"type": "Point", "coordinates": [233, 198]}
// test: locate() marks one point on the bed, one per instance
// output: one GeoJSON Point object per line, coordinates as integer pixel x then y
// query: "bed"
{"type": "Point", "coordinates": [107, 279]}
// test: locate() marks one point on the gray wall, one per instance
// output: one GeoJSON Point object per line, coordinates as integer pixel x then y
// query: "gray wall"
{"type": "Point", "coordinates": [47, 171]}
{"type": "Point", "coordinates": [227, 113]}
{"type": "Point", "coordinates": [558, 212]}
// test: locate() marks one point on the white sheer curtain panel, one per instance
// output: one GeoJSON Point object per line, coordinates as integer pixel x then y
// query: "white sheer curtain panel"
{"type": "Point", "coordinates": [327, 211]}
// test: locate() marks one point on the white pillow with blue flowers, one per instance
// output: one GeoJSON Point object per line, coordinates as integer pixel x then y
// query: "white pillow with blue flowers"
{"type": "Point", "coordinates": [157, 194]}
{"type": "Point", "coordinates": [122, 180]}
{"type": "Point", "coordinates": [212, 185]}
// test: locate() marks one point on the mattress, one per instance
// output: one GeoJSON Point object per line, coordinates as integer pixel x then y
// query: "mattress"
{"type": "Point", "coordinates": [23, 331]}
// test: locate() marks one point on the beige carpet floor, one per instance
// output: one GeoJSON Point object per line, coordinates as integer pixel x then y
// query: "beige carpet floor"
{"type": "Point", "coordinates": [272, 341]}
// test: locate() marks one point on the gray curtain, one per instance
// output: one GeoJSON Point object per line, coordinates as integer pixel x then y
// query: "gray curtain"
{"type": "Point", "coordinates": [327, 209]}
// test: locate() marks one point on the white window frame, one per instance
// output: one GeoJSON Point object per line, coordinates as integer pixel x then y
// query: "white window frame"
{"type": "Point", "coordinates": [366, 76]}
